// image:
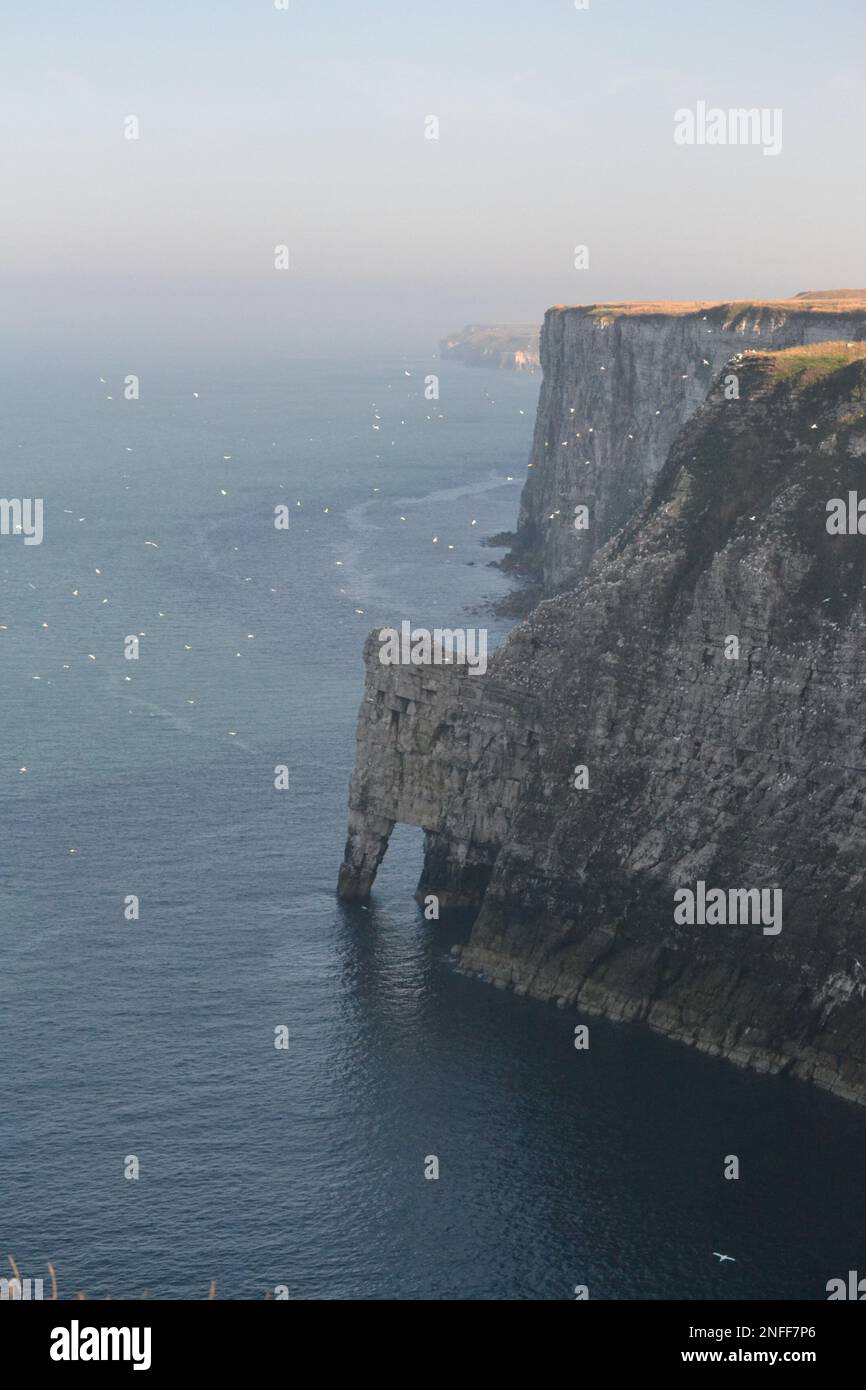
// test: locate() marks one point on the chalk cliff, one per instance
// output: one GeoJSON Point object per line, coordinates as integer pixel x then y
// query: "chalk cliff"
{"type": "Point", "coordinates": [620, 381]}
{"type": "Point", "coordinates": [743, 771]}
{"type": "Point", "coordinates": [510, 347]}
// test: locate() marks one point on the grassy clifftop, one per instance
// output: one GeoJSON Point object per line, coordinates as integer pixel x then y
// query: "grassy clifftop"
{"type": "Point", "coordinates": [812, 363]}
{"type": "Point", "coordinates": [726, 312]}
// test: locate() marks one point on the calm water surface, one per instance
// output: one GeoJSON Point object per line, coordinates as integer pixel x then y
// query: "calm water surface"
{"type": "Point", "coordinates": [155, 1038]}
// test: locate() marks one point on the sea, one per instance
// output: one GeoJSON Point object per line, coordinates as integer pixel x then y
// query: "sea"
{"type": "Point", "coordinates": [215, 1075]}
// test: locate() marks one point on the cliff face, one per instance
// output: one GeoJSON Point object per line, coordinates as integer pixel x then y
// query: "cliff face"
{"type": "Point", "coordinates": [510, 347]}
{"type": "Point", "coordinates": [744, 772]}
{"type": "Point", "coordinates": [620, 381]}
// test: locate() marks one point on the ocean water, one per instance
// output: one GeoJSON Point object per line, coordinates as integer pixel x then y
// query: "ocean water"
{"type": "Point", "coordinates": [154, 1038]}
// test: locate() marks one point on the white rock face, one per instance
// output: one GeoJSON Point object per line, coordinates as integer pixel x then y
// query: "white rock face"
{"type": "Point", "coordinates": [618, 387]}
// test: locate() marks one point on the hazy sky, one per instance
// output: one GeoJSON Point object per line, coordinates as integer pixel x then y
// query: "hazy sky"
{"type": "Point", "coordinates": [307, 127]}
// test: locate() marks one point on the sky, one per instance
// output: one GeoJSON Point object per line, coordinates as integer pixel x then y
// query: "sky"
{"type": "Point", "coordinates": [305, 127]}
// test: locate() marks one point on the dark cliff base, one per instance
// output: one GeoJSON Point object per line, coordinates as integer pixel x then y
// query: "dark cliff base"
{"type": "Point", "coordinates": [749, 1015]}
